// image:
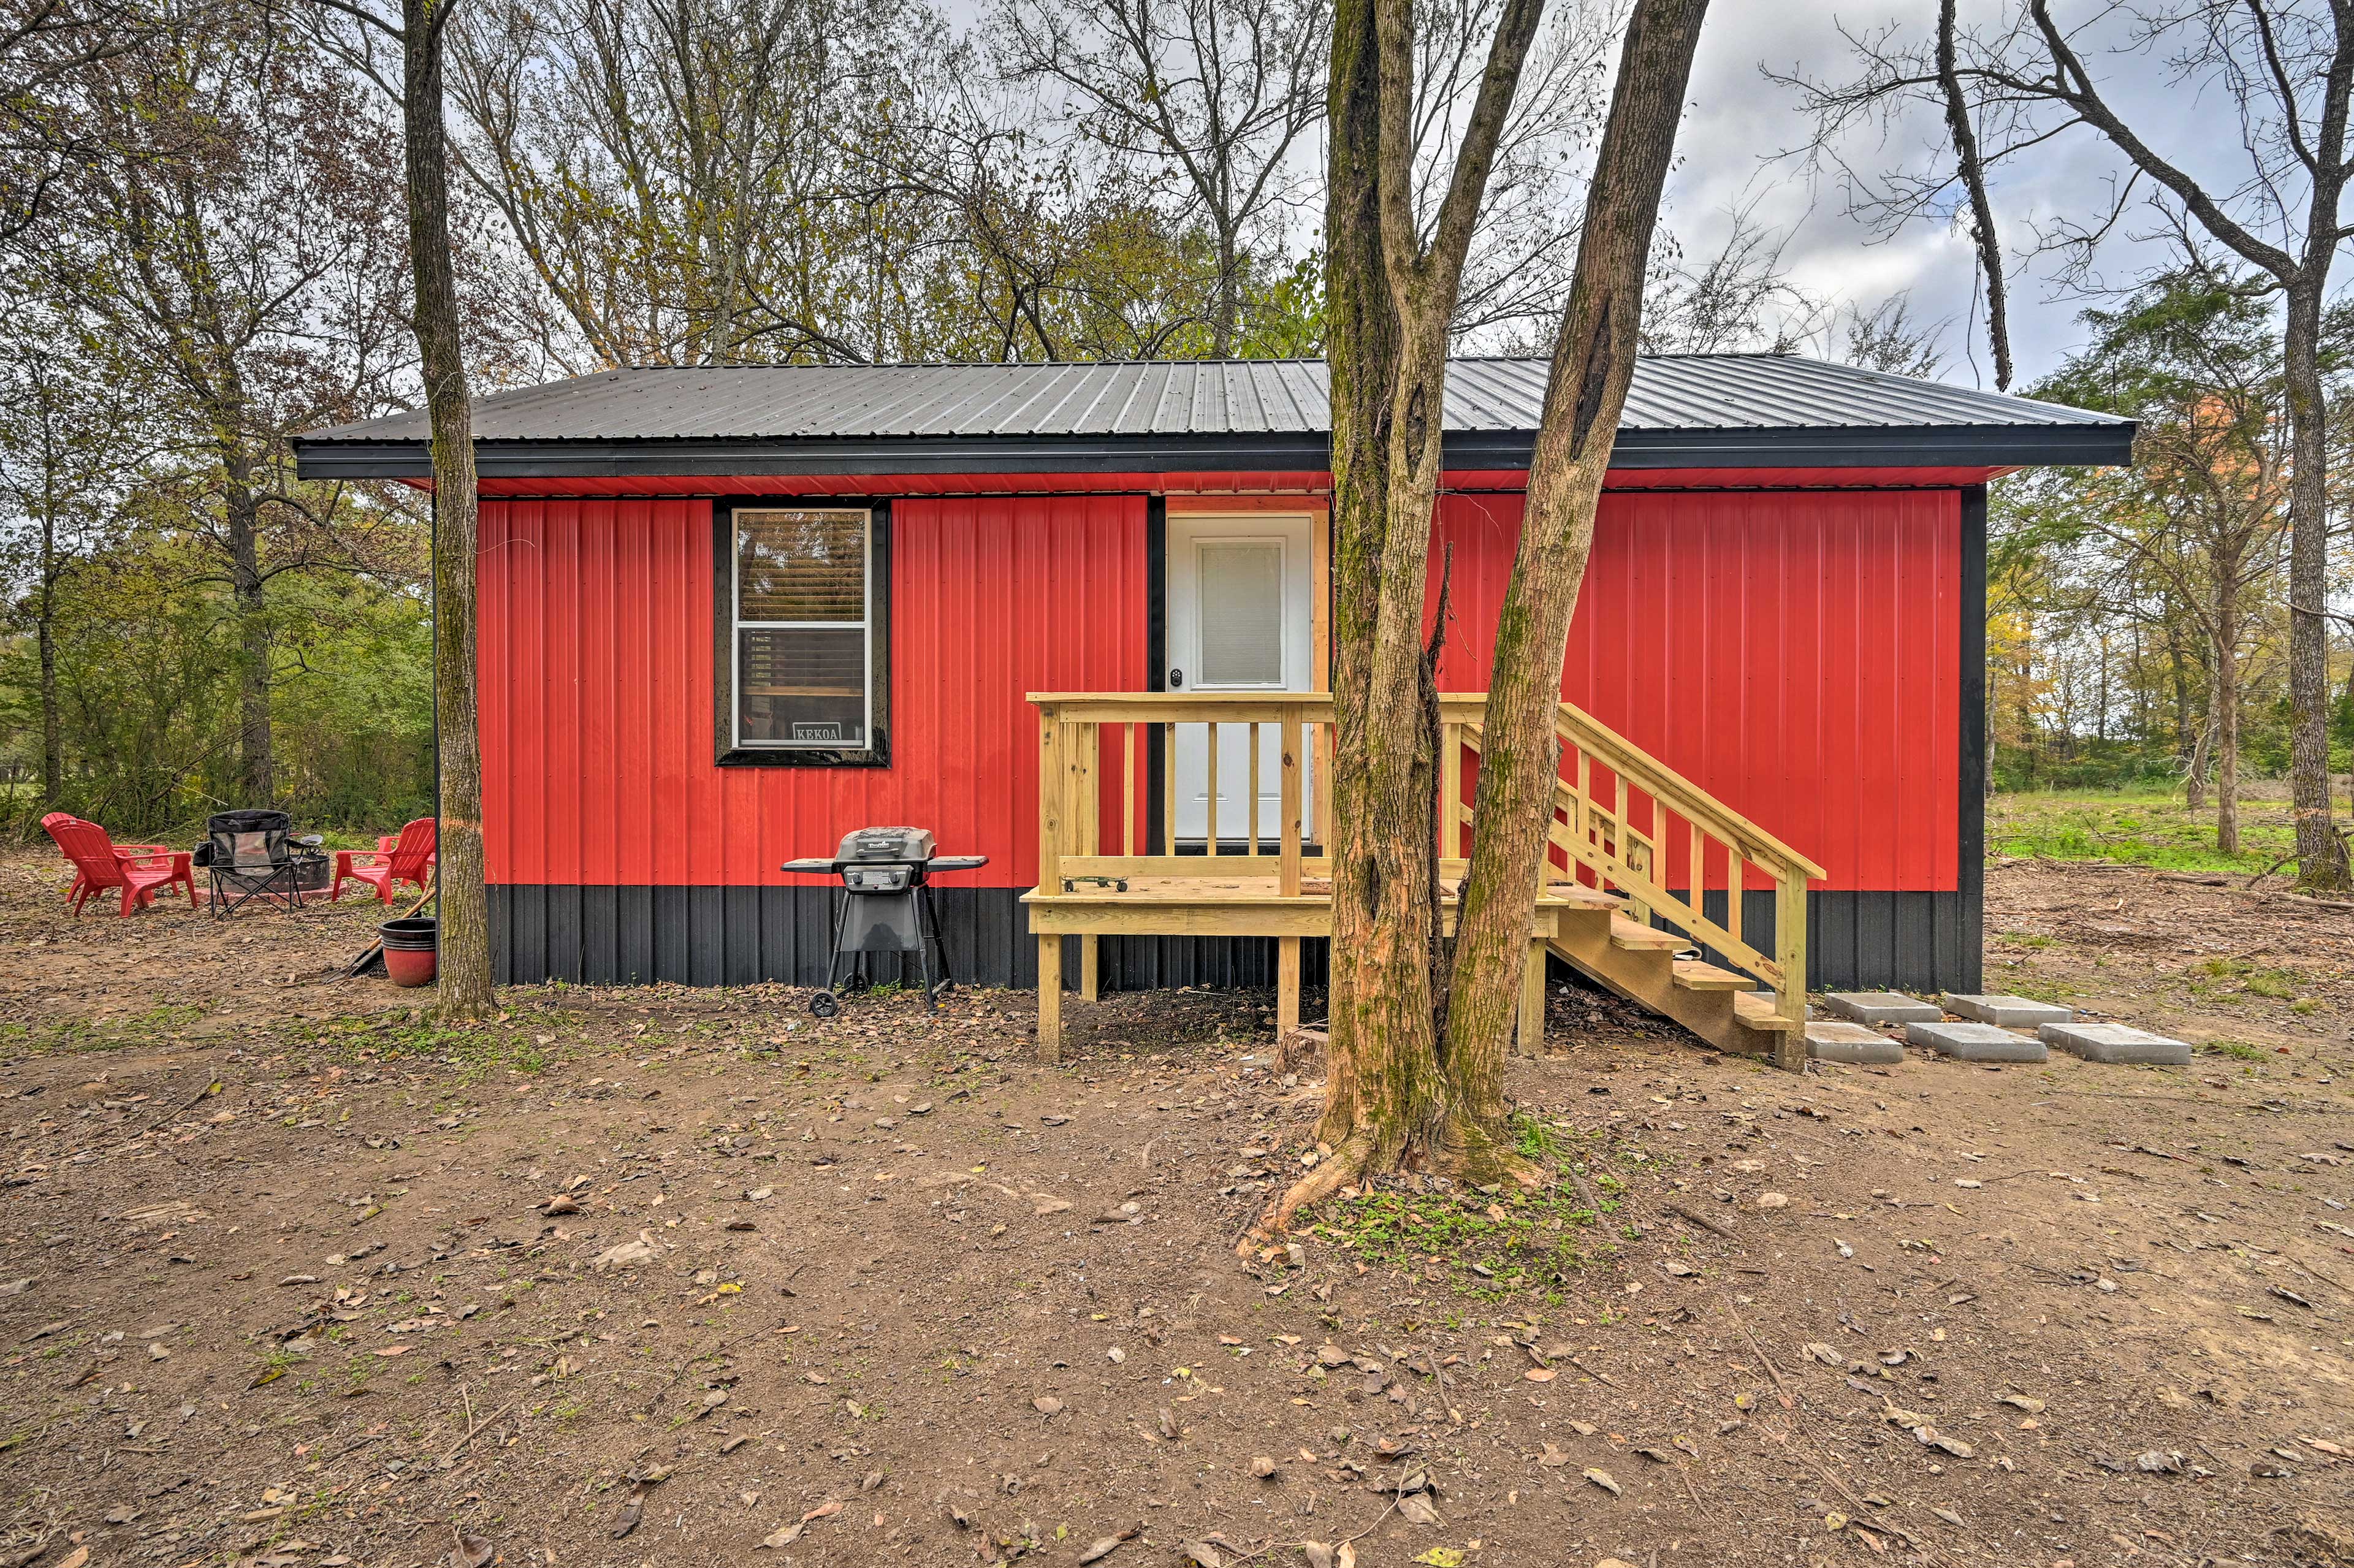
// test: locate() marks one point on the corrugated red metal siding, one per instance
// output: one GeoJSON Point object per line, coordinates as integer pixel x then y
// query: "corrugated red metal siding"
{"type": "Point", "coordinates": [1796, 654]}
{"type": "Point", "coordinates": [596, 650]}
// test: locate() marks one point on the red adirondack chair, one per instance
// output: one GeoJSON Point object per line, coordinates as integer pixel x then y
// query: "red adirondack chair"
{"type": "Point", "coordinates": [405, 859]}
{"type": "Point", "coordinates": [100, 863]}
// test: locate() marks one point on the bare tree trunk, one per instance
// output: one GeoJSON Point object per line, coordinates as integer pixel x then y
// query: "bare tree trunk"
{"type": "Point", "coordinates": [1227, 306]}
{"type": "Point", "coordinates": [2320, 853]}
{"type": "Point", "coordinates": [1593, 363]}
{"type": "Point", "coordinates": [45, 633]}
{"type": "Point", "coordinates": [257, 768]}
{"type": "Point", "coordinates": [1973, 171]}
{"type": "Point", "coordinates": [2223, 723]}
{"type": "Point", "coordinates": [2178, 682]}
{"type": "Point", "coordinates": [464, 904]}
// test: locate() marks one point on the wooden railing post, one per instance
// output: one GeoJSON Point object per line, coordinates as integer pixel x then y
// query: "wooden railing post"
{"type": "Point", "coordinates": [1052, 781]}
{"type": "Point", "coordinates": [1286, 949]}
{"type": "Point", "coordinates": [1450, 791]}
{"type": "Point", "coordinates": [1210, 805]}
{"type": "Point", "coordinates": [1288, 871]}
{"type": "Point", "coordinates": [1085, 831]}
{"type": "Point", "coordinates": [1790, 955]}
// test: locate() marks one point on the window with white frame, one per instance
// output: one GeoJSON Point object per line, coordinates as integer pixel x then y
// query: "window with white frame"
{"type": "Point", "coordinates": [805, 623]}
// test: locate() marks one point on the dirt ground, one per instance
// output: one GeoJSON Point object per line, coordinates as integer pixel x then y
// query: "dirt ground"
{"type": "Point", "coordinates": [663, 1275]}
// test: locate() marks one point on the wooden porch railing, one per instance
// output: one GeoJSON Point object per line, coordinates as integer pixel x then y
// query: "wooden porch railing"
{"type": "Point", "coordinates": [1622, 820]}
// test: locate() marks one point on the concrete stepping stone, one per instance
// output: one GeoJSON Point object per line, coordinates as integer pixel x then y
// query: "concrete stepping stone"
{"type": "Point", "coordinates": [1882, 1007]}
{"type": "Point", "coordinates": [1774, 999]}
{"type": "Point", "coordinates": [2117, 1043]}
{"type": "Point", "coordinates": [1852, 1043]}
{"type": "Point", "coordinates": [1977, 1042]}
{"type": "Point", "coordinates": [2006, 1012]}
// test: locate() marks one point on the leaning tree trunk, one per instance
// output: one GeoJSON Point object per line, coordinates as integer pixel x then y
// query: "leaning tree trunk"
{"type": "Point", "coordinates": [1417, 1037]}
{"type": "Point", "coordinates": [464, 903]}
{"type": "Point", "coordinates": [2320, 854]}
{"type": "Point", "coordinates": [1593, 363]}
{"type": "Point", "coordinates": [1971, 166]}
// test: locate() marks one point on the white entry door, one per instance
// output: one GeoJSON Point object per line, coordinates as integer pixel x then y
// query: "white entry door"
{"type": "Point", "coordinates": [1240, 619]}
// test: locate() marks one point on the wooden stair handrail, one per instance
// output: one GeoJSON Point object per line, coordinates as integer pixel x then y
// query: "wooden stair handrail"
{"type": "Point", "coordinates": [1623, 757]}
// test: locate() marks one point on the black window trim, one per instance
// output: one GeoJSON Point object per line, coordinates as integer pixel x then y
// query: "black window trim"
{"type": "Point", "coordinates": [726, 752]}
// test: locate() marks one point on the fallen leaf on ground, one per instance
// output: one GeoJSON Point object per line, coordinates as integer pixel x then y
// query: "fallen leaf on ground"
{"type": "Point", "coordinates": [1105, 1546]}
{"type": "Point", "coordinates": [792, 1531]}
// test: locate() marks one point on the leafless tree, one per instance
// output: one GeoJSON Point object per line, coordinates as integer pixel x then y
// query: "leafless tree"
{"type": "Point", "coordinates": [1221, 90]}
{"type": "Point", "coordinates": [2280, 75]}
{"type": "Point", "coordinates": [692, 182]}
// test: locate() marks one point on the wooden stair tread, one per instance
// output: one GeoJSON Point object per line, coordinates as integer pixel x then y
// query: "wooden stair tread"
{"type": "Point", "coordinates": [1757, 1012]}
{"type": "Point", "coordinates": [1692, 974]}
{"type": "Point", "coordinates": [1583, 897]}
{"type": "Point", "coordinates": [1625, 932]}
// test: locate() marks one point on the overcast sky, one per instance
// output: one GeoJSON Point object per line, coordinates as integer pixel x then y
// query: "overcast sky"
{"type": "Point", "coordinates": [1736, 118]}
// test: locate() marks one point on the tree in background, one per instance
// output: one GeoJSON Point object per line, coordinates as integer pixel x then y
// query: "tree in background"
{"type": "Point", "coordinates": [70, 442]}
{"type": "Point", "coordinates": [47, 50]}
{"type": "Point", "coordinates": [225, 254]}
{"type": "Point", "coordinates": [1218, 91]}
{"type": "Point", "coordinates": [2201, 516]}
{"type": "Point", "coordinates": [1419, 1029]}
{"type": "Point", "coordinates": [2281, 73]}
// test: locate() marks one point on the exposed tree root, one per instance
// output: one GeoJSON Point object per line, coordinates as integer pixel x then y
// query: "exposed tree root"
{"type": "Point", "coordinates": [1342, 1166]}
{"type": "Point", "coordinates": [1477, 1160]}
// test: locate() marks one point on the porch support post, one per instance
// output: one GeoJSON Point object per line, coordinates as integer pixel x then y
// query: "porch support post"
{"type": "Point", "coordinates": [1287, 987]}
{"type": "Point", "coordinates": [1532, 999]}
{"type": "Point", "coordinates": [1090, 975]}
{"type": "Point", "coordinates": [1050, 998]}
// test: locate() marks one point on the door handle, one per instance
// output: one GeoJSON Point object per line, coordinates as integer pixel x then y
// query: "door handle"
{"type": "Point", "coordinates": [1176, 680]}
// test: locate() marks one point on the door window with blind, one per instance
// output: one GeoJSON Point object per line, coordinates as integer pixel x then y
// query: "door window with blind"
{"type": "Point", "coordinates": [803, 610]}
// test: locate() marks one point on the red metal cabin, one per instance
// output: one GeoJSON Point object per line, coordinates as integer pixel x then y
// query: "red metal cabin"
{"type": "Point", "coordinates": [728, 615]}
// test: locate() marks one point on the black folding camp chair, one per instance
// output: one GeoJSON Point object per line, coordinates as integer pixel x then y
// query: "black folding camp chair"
{"type": "Point", "coordinates": [255, 854]}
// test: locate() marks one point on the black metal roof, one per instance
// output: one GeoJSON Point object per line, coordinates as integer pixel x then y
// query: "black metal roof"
{"type": "Point", "coordinates": [1684, 410]}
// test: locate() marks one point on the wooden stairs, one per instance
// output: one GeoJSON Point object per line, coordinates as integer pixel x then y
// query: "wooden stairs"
{"type": "Point", "coordinates": [1641, 963]}
{"type": "Point", "coordinates": [1635, 922]}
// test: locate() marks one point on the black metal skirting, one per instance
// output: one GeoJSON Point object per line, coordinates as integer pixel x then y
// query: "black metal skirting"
{"type": "Point", "coordinates": [743, 936]}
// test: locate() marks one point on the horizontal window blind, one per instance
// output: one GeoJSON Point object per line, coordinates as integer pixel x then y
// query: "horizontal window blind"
{"type": "Point", "coordinates": [800, 565]}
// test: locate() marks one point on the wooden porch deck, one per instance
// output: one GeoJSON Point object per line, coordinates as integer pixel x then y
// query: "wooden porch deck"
{"type": "Point", "coordinates": [1609, 903]}
{"type": "Point", "coordinates": [1213, 905]}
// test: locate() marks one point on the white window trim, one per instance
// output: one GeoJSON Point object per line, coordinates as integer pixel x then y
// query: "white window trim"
{"type": "Point", "coordinates": [738, 626]}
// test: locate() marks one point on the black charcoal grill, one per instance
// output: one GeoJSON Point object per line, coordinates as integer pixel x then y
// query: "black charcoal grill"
{"type": "Point", "coordinates": [885, 907]}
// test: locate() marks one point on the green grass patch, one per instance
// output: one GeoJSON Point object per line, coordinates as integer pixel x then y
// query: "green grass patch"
{"type": "Point", "coordinates": [1489, 1244]}
{"type": "Point", "coordinates": [2239, 1051]}
{"type": "Point", "coordinates": [68, 1036]}
{"type": "Point", "coordinates": [2135, 828]}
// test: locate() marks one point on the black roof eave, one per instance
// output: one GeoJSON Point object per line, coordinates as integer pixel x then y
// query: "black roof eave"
{"type": "Point", "coordinates": [1940, 446]}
